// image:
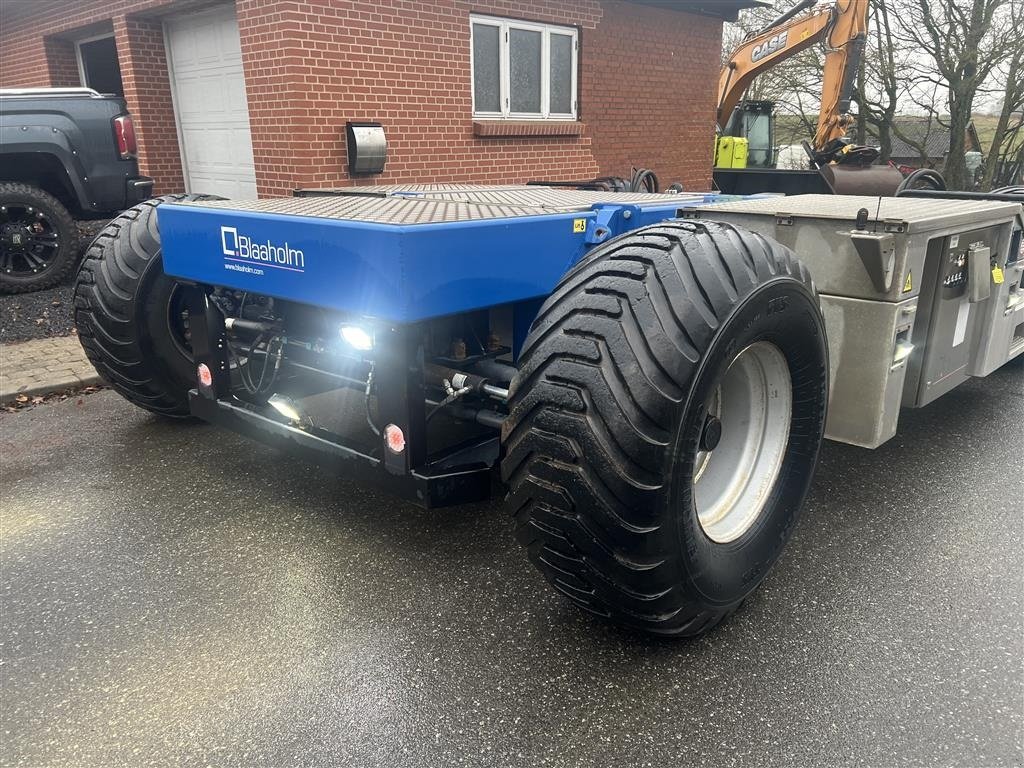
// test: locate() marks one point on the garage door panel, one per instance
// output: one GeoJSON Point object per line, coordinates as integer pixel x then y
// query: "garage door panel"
{"type": "Point", "coordinates": [229, 44]}
{"type": "Point", "coordinates": [223, 186]}
{"type": "Point", "coordinates": [215, 158]}
{"type": "Point", "coordinates": [212, 92]}
{"type": "Point", "coordinates": [192, 97]}
{"type": "Point", "coordinates": [181, 48]}
{"type": "Point", "coordinates": [236, 103]}
{"type": "Point", "coordinates": [208, 42]}
{"type": "Point", "coordinates": [211, 97]}
{"type": "Point", "coordinates": [242, 139]}
{"type": "Point", "coordinates": [215, 151]}
{"type": "Point", "coordinates": [210, 103]}
{"type": "Point", "coordinates": [210, 151]}
{"type": "Point", "coordinates": [204, 50]}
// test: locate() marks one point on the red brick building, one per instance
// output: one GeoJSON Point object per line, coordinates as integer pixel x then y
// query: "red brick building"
{"type": "Point", "coordinates": [252, 96]}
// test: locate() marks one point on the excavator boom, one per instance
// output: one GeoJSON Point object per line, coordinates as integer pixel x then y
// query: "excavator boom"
{"type": "Point", "coordinates": [843, 51]}
{"type": "Point", "coordinates": [841, 27]}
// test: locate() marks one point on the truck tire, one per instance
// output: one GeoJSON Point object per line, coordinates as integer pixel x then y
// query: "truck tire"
{"type": "Point", "coordinates": [38, 239]}
{"type": "Point", "coordinates": [129, 313]}
{"type": "Point", "coordinates": [665, 423]}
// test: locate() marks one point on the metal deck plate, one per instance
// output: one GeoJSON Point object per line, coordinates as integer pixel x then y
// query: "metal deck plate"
{"type": "Point", "coordinates": [384, 190]}
{"type": "Point", "coordinates": [378, 210]}
{"type": "Point", "coordinates": [436, 203]}
{"type": "Point", "coordinates": [918, 213]}
{"type": "Point", "coordinates": [560, 199]}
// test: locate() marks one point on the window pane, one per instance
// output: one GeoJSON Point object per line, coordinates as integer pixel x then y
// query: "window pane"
{"type": "Point", "coordinates": [561, 73]}
{"type": "Point", "coordinates": [102, 70]}
{"type": "Point", "coordinates": [524, 56]}
{"type": "Point", "coordinates": [486, 69]}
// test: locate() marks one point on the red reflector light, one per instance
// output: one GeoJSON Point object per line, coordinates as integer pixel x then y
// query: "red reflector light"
{"type": "Point", "coordinates": [124, 133]}
{"type": "Point", "coordinates": [395, 438]}
{"type": "Point", "coordinates": [204, 374]}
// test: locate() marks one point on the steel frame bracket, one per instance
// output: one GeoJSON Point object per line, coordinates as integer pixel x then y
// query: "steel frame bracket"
{"type": "Point", "coordinates": [461, 477]}
{"type": "Point", "coordinates": [612, 219]}
{"type": "Point", "coordinates": [877, 252]}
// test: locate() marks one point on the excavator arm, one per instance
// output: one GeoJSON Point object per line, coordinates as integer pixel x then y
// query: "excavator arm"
{"type": "Point", "coordinates": [840, 27]}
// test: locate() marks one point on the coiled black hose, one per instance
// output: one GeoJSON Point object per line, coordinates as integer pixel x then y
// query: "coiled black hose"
{"type": "Point", "coordinates": [922, 178]}
{"type": "Point", "coordinates": [643, 180]}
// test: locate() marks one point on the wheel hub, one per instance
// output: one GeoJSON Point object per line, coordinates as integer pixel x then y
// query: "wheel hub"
{"type": "Point", "coordinates": [742, 441]}
{"type": "Point", "coordinates": [711, 434]}
{"type": "Point", "coordinates": [16, 236]}
{"type": "Point", "coordinates": [27, 240]}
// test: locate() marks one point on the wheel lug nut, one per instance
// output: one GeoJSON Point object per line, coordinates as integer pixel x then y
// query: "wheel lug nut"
{"type": "Point", "coordinates": [710, 433]}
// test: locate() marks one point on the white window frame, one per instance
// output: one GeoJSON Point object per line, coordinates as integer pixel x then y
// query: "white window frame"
{"type": "Point", "coordinates": [78, 54]}
{"type": "Point", "coordinates": [504, 68]}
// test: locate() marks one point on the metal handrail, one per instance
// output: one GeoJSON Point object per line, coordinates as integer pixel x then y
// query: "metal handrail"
{"type": "Point", "coordinates": [44, 92]}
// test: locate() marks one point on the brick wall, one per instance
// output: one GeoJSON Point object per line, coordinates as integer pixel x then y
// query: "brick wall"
{"type": "Point", "coordinates": [648, 92]}
{"type": "Point", "coordinates": [31, 31]}
{"type": "Point", "coordinates": [646, 85]}
{"type": "Point", "coordinates": [23, 58]}
{"type": "Point", "coordinates": [147, 91]}
{"type": "Point", "coordinates": [312, 65]}
{"type": "Point", "coordinates": [61, 63]}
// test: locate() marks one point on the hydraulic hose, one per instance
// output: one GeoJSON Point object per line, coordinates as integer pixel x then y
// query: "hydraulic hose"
{"type": "Point", "coordinates": [643, 180]}
{"type": "Point", "coordinates": [922, 178]}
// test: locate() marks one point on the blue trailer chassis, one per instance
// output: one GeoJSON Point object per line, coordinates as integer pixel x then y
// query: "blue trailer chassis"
{"type": "Point", "coordinates": [445, 253]}
{"type": "Point", "coordinates": [395, 259]}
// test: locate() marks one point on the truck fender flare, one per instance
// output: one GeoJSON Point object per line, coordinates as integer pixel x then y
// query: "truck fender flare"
{"type": "Point", "coordinates": [45, 140]}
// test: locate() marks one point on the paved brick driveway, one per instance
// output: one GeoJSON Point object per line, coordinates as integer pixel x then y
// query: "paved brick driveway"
{"type": "Point", "coordinates": [42, 366]}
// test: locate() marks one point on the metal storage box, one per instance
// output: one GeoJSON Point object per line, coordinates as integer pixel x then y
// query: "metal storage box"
{"type": "Point", "coordinates": [918, 294]}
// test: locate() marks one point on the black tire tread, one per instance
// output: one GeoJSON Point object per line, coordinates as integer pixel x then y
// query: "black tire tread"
{"type": "Point", "coordinates": [68, 256]}
{"type": "Point", "coordinates": [605, 368]}
{"type": "Point", "coordinates": [107, 307]}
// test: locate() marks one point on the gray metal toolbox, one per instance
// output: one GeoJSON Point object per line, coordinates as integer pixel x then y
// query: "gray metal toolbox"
{"type": "Point", "coordinates": [918, 294]}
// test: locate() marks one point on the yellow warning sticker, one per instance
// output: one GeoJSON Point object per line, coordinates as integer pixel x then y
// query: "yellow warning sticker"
{"type": "Point", "coordinates": [579, 225]}
{"type": "Point", "coordinates": [909, 285]}
{"type": "Point", "coordinates": [997, 275]}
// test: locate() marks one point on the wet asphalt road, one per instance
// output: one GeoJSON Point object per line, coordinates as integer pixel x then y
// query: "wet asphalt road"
{"type": "Point", "coordinates": [176, 595]}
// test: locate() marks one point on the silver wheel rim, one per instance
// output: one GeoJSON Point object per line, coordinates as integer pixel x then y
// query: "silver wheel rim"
{"type": "Point", "coordinates": [733, 479]}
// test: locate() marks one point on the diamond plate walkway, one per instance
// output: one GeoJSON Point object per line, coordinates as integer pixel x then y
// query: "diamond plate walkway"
{"type": "Point", "coordinates": [42, 366]}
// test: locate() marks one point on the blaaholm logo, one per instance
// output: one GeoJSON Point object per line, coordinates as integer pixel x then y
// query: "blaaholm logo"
{"type": "Point", "coordinates": [238, 246]}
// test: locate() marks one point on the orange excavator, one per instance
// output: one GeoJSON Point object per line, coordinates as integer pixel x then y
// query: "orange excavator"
{"type": "Point", "coordinates": [841, 28]}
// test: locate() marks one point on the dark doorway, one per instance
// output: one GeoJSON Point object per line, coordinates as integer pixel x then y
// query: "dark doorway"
{"type": "Point", "coordinates": [100, 68]}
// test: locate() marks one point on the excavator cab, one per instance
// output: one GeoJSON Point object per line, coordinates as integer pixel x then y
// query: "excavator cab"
{"type": "Point", "coordinates": [755, 122]}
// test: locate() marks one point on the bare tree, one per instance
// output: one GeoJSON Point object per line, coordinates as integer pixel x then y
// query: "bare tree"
{"type": "Point", "coordinates": [888, 85]}
{"type": "Point", "coordinates": [879, 83]}
{"type": "Point", "coordinates": [924, 102]}
{"type": "Point", "coordinates": [1008, 131]}
{"type": "Point", "coordinates": [964, 42]}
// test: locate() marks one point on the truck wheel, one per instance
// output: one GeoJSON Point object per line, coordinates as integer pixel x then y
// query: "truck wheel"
{"type": "Point", "coordinates": [38, 239]}
{"type": "Point", "coordinates": [131, 316]}
{"type": "Point", "coordinates": [665, 423]}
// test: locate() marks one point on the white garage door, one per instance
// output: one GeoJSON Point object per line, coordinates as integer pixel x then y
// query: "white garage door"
{"type": "Point", "coordinates": [205, 62]}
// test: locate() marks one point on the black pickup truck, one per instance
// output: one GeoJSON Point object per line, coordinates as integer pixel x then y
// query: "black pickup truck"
{"type": "Point", "coordinates": [65, 154]}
